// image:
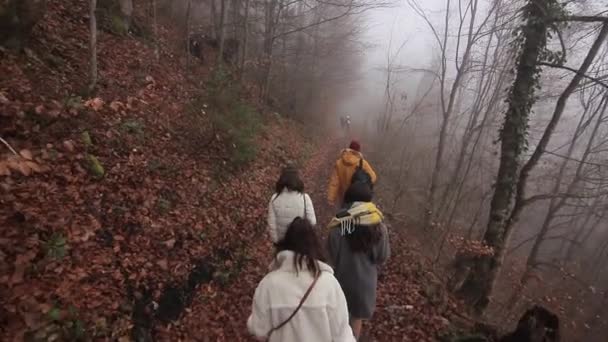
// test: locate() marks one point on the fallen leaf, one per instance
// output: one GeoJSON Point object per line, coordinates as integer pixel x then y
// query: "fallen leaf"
{"type": "Point", "coordinates": [116, 105]}
{"type": "Point", "coordinates": [68, 145]}
{"type": "Point", "coordinates": [24, 168]}
{"type": "Point", "coordinates": [3, 99]}
{"type": "Point", "coordinates": [54, 113]}
{"type": "Point", "coordinates": [22, 261]}
{"type": "Point", "coordinates": [34, 166]}
{"type": "Point", "coordinates": [4, 169]}
{"type": "Point", "coordinates": [27, 154]}
{"type": "Point", "coordinates": [95, 104]}
{"type": "Point", "coordinates": [163, 264]}
{"type": "Point", "coordinates": [170, 243]}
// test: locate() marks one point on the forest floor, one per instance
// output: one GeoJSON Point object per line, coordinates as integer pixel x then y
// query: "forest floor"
{"type": "Point", "coordinates": [125, 216]}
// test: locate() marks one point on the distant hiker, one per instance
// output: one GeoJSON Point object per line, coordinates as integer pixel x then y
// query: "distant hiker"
{"type": "Point", "coordinates": [300, 299]}
{"type": "Point", "coordinates": [288, 202]}
{"type": "Point", "coordinates": [350, 168]}
{"type": "Point", "coordinates": [358, 243]}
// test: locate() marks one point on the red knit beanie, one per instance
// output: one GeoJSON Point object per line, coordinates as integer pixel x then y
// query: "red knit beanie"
{"type": "Point", "coordinates": [354, 145]}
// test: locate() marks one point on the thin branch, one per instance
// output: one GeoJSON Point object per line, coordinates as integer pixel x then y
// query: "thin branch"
{"type": "Point", "coordinates": [564, 196]}
{"type": "Point", "coordinates": [534, 237]}
{"type": "Point", "coordinates": [9, 146]}
{"type": "Point", "coordinates": [584, 18]}
{"type": "Point", "coordinates": [351, 9]}
{"type": "Point", "coordinates": [557, 66]}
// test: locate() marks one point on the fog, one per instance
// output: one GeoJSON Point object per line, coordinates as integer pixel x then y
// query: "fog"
{"type": "Point", "coordinates": [386, 30]}
{"type": "Point", "coordinates": [572, 161]}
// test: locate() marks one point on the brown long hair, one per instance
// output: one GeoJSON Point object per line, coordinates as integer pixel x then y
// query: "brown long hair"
{"type": "Point", "coordinates": [290, 180]}
{"type": "Point", "coordinates": [302, 239]}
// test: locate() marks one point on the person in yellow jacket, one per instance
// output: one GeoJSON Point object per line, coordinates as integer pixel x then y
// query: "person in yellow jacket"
{"type": "Point", "coordinates": [344, 169]}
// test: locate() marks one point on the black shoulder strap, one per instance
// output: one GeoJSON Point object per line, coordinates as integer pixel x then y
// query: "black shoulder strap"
{"type": "Point", "coordinates": [361, 163]}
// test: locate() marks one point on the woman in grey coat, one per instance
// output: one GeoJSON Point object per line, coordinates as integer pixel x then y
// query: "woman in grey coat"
{"type": "Point", "coordinates": [358, 243]}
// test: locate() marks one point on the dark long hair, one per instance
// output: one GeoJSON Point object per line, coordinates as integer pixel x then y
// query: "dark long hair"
{"type": "Point", "coordinates": [302, 239]}
{"type": "Point", "coordinates": [358, 192]}
{"type": "Point", "coordinates": [363, 238]}
{"type": "Point", "coordinates": [290, 180]}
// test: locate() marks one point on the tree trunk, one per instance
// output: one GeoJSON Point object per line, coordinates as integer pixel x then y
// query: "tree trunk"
{"type": "Point", "coordinates": [155, 27]}
{"type": "Point", "coordinates": [220, 54]}
{"type": "Point", "coordinates": [17, 19]}
{"type": "Point", "coordinates": [245, 41]}
{"type": "Point", "coordinates": [93, 45]}
{"type": "Point", "coordinates": [215, 27]}
{"type": "Point", "coordinates": [268, 46]}
{"type": "Point", "coordinates": [477, 287]}
{"type": "Point", "coordinates": [126, 10]}
{"type": "Point", "coordinates": [188, 52]}
{"type": "Point", "coordinates": [447, 112]}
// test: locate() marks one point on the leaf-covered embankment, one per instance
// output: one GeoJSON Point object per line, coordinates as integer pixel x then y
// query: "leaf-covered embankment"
{"type": "Point", "coordinates": [116, 198]}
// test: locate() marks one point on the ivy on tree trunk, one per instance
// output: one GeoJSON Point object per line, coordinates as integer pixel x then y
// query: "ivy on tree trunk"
{"type": "Point", "coordinates": [532, 39]}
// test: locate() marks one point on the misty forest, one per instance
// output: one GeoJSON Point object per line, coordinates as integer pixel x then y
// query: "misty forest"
{"type": "Point", "coordinates": [141, 141]}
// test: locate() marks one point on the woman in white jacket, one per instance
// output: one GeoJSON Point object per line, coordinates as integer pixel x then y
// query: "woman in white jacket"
{"type": "Point", "coordinates": [300, 299]}
{"type": "Point", "coordinates": [288, 202]}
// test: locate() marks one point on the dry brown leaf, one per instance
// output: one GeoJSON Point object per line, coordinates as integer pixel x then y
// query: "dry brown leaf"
{"type": "Point", "coordinates": [95, 104]}
{"type": "Point", "coordinates": [4, 169]}
{"type": "Point", "coordinates": [170, 243]}
{"type": "Point", "coordinates": [3, 99]}
{"type": "Point", "coordinates": [87, 235]}
{"type": "Point", "coordinates": [116, 106]}
{"type": "Point", "coordinates": [39, 109]}
{"type": "Point", "coordinates": [68, 145]}
{"type": "Point", "coordinates": [22, 261]}
{"type": "Point", "coordinates": [57, 104]}
{"type": "Point", "coordinates": [13, 164]}
{"type": "Point", "coordinates": [54, 113]}
{"type": "Point", "coordinates": [34, 166]}
{"type": "Point", "coordinates": [163, 264]}
{"type": "Point", "coordinates": [24, 168]}
{"type": "Point", "coordinates": [27, 154]}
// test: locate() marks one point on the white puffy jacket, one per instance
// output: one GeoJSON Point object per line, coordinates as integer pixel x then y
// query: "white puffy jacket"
{"type": "Point", "coordinates": [323, 317]}
{"type": "Point", "coordinates": [285, 207]}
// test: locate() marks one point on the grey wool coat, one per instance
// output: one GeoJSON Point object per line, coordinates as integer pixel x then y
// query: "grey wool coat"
{"type": "Point", "coordinates": [357, 273]}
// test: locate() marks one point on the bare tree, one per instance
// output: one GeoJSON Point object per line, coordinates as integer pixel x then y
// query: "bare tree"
{"type": "Point", "coordinates": [222, 39]}
{"type": "Point", "coordinates": [448, 92]}
{"type": "Point", "coordinates": [155, 28]}
{"type": "Point", "coordinates": [477, 287]}
{"type": "Point", "coordinates": [245, 41]}
{"type": "Point", "coordinates": [480, 282]}
{"type": "Point", "coordinates": [93, 45]}
{"type": "Point", "coordinates": [187, 35]}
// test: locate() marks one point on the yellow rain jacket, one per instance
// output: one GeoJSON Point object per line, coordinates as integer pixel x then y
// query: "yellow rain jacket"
{"type": "Point", "coordinates": [343, 172]}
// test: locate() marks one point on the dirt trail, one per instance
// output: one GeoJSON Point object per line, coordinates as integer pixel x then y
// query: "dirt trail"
{"type": "Point", "coordinates": [316, 176]}
{"type": "Point", "coordinates": [218, 312]}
